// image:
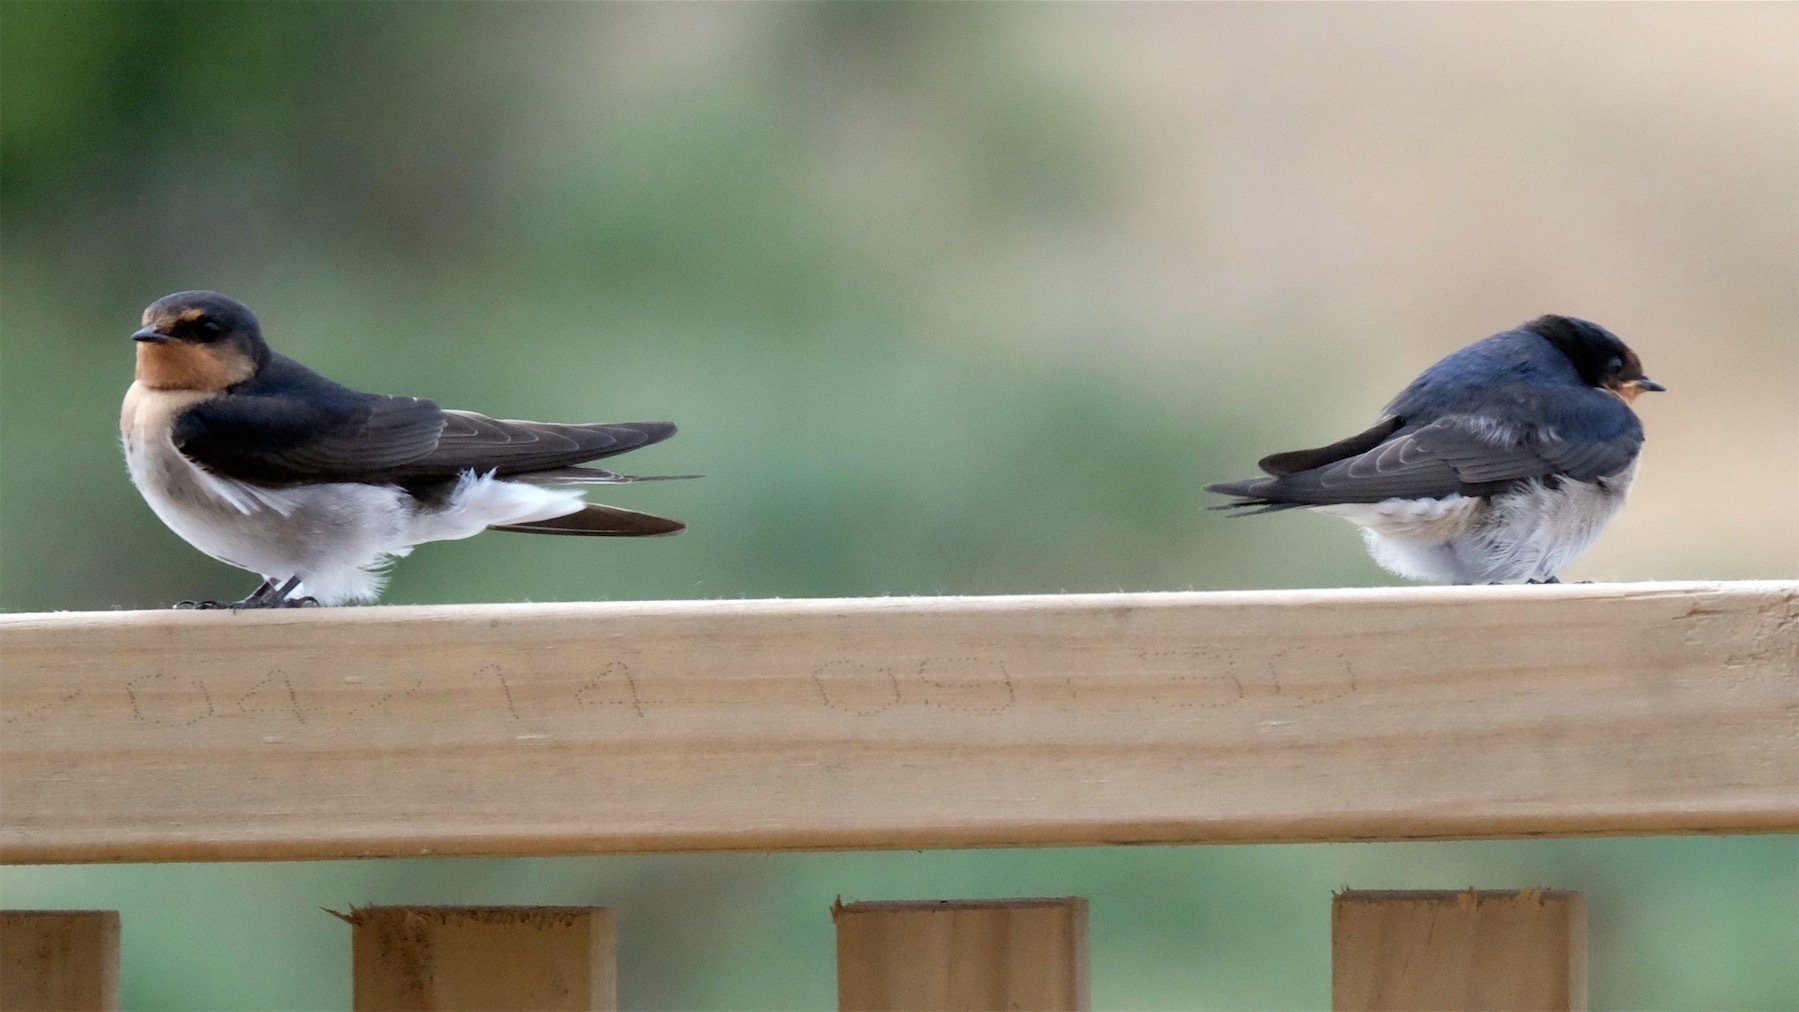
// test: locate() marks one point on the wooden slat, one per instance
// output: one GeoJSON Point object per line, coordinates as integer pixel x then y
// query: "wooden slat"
{"type": "Point", "coordinates": [964, 955]}
{"type": "Point", "coordinates": [1135, 718]}
{"type": "Point", "coordinates": [59, 959]}
{"type": "Point", "coordinates": [1522, 950]}
{"type": "Point", "coordinates": [533, 959]}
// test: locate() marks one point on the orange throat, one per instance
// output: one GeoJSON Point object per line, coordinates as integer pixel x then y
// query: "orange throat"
{"type": "Point", "coordinates": [178, 366]}
{"type": "Point", "coordinates": [1627, 392]}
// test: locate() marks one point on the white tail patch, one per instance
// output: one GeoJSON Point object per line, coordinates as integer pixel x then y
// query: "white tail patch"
{"type": "Point", "coordinates": [480, 501]}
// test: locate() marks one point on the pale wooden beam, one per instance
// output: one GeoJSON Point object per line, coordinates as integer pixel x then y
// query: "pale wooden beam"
{"type": "Point", "coordinates": [1451, 951]}
{"type": "Point", "coordinates": [532, 959]}
{"type": "Point", "coordinates": [962, 955]}
{"type": "Point", "coordinates": [59, 959]}
{"type": "Point", "coordinates": [1402, 713]}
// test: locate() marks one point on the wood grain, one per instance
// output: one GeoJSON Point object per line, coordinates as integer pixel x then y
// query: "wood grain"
{"type": "Point", "coordinates": [59, 959]}
{"type": "Point", "coordinates": [900, 723]}
{"type": "Point", "coordinates": [533, 959]}
{"type": "Point", "coordinates": [962, 955]}
{"type": "Point", "coordinates": [1523, 950]}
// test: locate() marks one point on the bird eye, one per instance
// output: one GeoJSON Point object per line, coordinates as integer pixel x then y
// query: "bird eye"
{"type": "Point", "coordinates": [1615, 365]}
{"type": "Point", "coordinates": [209, 329]}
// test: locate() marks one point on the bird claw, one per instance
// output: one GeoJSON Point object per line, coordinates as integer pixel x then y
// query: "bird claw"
{"type": "Point", "coordinates": [252, 603]}
{"type": "Point", "coordinates": [248, 602]}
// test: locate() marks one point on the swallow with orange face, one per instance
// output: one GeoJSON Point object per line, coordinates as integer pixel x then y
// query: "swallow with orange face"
{"type": "Point", "coordinates": [1504, 461]}
{"type": "Point", "coordinates": [265, 465]}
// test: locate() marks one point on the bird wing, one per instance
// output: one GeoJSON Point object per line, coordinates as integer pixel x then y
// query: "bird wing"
{"type": "Point", "coordinates": [288, 437]}
{"type": "Point", "coordinates": [509, 447]}
{"type": "Point", "coordinates": [1455, 454]}
{"type": "Point", "coordinates": [1579, 437]}
{"type": "Point", "coordinates": [1294, 461]}
{"type": "Point", "coordinates": [290, 425]}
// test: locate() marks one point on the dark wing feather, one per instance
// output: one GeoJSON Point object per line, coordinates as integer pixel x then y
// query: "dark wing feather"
{"type": "Point", "coordinates": [507, 447]}
{"type": "Point", "coordinates": [593, 476]}
{"type": "Point", "coordinates": [1580, 438]}
{"type": "Point", "coordinates": [1440, 459]}
{"type": "Point", "coordinates": [290, 425]}
{"type": "Point", "coordinates": [1294, 461]}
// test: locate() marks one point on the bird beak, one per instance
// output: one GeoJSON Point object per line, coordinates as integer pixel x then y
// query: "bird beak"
{"type": "Point", "coordinates": [152, 336]}
{"type": "Point", "coordinates": [1648, 384]}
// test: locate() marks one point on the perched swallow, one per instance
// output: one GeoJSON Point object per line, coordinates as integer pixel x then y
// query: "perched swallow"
{"type": "Point", "coordinates": [1503, 461]}
{"type": "Point", "coordinates": [265, 465]}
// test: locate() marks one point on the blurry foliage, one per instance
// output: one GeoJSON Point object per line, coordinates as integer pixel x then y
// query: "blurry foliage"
{"type": "Point", "coordinates": [940, 309]}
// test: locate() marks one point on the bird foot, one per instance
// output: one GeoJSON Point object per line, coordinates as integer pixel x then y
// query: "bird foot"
{"type": "Point", "coordinates": [246, 604]}
{"type": "Point", "coordinates": [271, 595]}
{"type": "Point", "coordinates": [252, 602]}
{"type": "Point", "coordinates": [266, 596]}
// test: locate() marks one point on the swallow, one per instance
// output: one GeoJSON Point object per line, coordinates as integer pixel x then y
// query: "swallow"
{"type": "Point", "coordinates": [265, 465]}
{"type": "Point", "coordinates": [1504, 461]}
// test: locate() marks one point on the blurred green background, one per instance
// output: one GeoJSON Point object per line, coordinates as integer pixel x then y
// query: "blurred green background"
{"type": "Point", "coordinates": [946, 299]}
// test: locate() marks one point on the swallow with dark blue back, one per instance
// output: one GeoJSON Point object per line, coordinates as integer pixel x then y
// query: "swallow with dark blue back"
{"type": "Point", "coordinates": [1504, 461]}
{"type": "Point", "coordinates": [265, 465]}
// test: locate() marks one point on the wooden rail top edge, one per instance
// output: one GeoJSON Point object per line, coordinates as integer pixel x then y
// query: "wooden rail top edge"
{"type": "Point", "coordinates": [900, 723]}
{"type": "Point", "coordinates": [995, 603]}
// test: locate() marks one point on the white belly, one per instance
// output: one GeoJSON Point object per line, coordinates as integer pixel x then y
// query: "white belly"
{"type": "Point", "coordinates": [335, 537]}
{"type": "Point", "coordinates": [1530, 533]}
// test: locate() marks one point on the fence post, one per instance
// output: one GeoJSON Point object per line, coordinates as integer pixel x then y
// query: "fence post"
{"type": "Point", "coordinates": [1466, 950]}
{"type": "Point", "coordinates": [525, 958]}
{"type": "Point", "coordinates": [997, 954]}
{"type": "Point", "coordinates": [59, 959]}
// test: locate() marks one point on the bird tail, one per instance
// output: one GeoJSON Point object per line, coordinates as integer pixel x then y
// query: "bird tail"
{"type": "Point", "coordinates": [596, 520]}
{"type": "Point", "coordinates": [575, 475]}
{"type": "Point", "coordinates": [1252, 497]}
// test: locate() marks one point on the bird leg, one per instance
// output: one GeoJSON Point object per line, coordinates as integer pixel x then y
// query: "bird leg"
{"type": "Point", "coordinates": [271, 596]}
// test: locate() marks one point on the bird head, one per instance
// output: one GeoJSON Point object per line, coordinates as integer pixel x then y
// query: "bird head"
{"type": "Point", "coordinates": [1597, 355]}
{"type": "Point", "coordinates": [198, 341]}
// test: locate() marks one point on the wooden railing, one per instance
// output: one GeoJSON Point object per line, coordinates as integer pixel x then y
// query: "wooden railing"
{"type": "Point", "coordinates": [1430, 713]}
